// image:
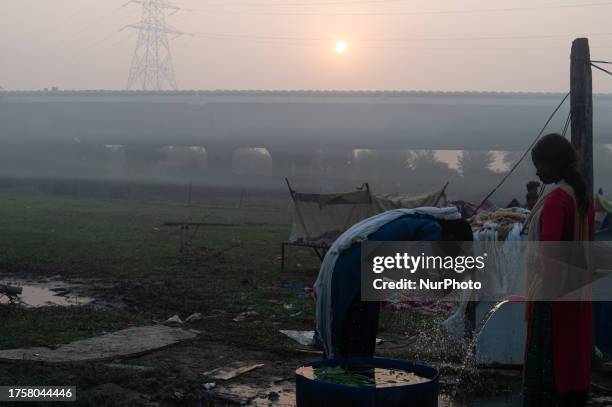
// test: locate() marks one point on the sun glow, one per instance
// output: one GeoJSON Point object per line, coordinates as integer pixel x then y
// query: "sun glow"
{"type": "Point", "coordinates": [341, 47]}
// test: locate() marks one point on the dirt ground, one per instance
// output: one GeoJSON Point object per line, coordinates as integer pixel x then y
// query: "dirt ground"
{"type": "Point", "coordinates": [143, 262]}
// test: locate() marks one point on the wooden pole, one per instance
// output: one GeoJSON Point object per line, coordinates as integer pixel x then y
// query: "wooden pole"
{"type": "Point", "coordinates": [581, 99]}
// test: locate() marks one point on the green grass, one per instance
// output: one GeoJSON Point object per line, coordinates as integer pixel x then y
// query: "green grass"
{"type": "Point", "coordinates": [163, 267]}
{"type": "Point", "coordinates": [157, 270]}
{"type": "Point", "coordinates": [55, 325]}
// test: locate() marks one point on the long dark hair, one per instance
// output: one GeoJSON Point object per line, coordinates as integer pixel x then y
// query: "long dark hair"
{"type": "Point", "coordinates": [559, 154]}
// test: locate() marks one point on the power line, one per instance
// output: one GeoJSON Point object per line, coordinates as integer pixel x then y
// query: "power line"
{"type": "Point", "coordinates": [98, 43]}
{"type": "Point", "coordinates": [485, 38]}
{"type": "Point", "coordinates": [601, 69]}
{"type": "Point", "coordinates": [70, 39]}
{"type": "Point", "coordinates": [568, 120]}
{"type": "Point", "coordinates": [71, 36]}
{"type": "Point", "coordinates": [391, 39]}
{"type": "Point", "coordinates": [324, 42]}
{"type": "Point", "coordinates": [208, 8]}
{"type": "Point", "coordinates": [318, 44]}
{"type": "Point", "coordinates": [533, 143]}
{"type": "Point", "coordinates": [79, 11]}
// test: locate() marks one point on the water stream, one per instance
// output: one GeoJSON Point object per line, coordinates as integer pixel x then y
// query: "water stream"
{"type": "Point", "coordinates": [468, 374]}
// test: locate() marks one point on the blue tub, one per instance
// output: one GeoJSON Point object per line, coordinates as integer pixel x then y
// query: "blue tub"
{"type": "Point", "coordinates": [316, 393]}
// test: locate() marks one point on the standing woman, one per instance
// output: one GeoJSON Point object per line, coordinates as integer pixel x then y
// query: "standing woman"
{"type": "Point", "coordinates": [559, 338]}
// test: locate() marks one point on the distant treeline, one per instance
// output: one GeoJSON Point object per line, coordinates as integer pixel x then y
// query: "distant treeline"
{"type": "Point", "coordinates": [128, 172]}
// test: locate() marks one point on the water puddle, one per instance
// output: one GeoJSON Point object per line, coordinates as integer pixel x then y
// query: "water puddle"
{"type": "Point", "coordinates": [43, 294]}
{"type": "Point", "coordinates": [258, 395]}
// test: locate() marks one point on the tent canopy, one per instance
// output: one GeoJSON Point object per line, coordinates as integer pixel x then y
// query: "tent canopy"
{"type": "Point", "coordinates": [319, 219]}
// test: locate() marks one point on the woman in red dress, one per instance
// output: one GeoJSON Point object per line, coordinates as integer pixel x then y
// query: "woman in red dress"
{"type": "Point", "coordinates": [559, 340]}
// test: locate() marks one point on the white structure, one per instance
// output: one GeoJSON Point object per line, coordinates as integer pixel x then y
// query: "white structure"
{"type": "Point", "coordinates": [501, 340]}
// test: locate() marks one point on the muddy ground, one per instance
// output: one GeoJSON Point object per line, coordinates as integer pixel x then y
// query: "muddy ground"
{"type": "Point", "coordinates": [142, 263]}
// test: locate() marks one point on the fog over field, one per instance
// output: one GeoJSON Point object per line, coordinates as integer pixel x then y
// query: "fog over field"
{"type": "Point", "coordinates": [398, 142]}
{"type": "Point", "coordinates": [188, 188]}
{"type": "Point", "coordinates": [332, 100]}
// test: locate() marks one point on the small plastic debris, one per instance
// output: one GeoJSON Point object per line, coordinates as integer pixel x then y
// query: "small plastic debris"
{"type": "Point", "coordinates": [232, 370]}
{"type": "Point", "coordinates": [174, 319]}
{"type": "Point", "coordinates": [288, 306]}
{"type": "Point", "coordinates": [245, 315]}
{"type": "Point", "coordinates": [209, 386]}
{"type": "Point", "coordinates": [305, 338]}
{"type": "Point", "coordinates": [598, 353]}
{"type": "Point", "coordinates": [193, 317]}
{"type": "Point", "coordinates": [60, 290]}
{"type": "Point", "coordinates": [273, 396]}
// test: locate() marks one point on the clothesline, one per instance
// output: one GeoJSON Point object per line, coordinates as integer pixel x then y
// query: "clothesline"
{"type": "Point", "coordinates": [600, 68]}
{"type": "Point", "coordinates": [552, 115]}
{"type": "Point", "coordinates": [593, 63]}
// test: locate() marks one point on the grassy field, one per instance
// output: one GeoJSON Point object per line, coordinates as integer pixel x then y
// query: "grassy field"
{"type": "Point", "coordinates": [136, 257]}
{"type": "Point", "coordinates": [161, 270]}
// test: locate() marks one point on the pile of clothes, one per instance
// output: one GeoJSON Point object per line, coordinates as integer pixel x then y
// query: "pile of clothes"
{"type": "Point", "coordinates": [468, 209]}
{"type": "Point", "coordinates": [499, 228]}
{"type": "Point", "coordinates": [498, 224]}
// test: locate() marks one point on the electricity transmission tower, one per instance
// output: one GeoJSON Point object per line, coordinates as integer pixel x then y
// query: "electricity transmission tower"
{"type": "Point", "coordinates": [151, 67]}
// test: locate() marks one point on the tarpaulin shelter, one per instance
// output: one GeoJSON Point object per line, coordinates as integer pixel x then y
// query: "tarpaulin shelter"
{"type": "Point", "coordinates": [318, 219]}
{"type": "Point", "coordinates": [386, 202]}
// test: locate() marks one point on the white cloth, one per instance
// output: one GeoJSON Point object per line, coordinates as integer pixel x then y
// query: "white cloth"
{"type": "Point", "coordinates": [509, 273]}
{"type": "Point", "coordinates": [361, 230]}
{"type": "Point", "coordinates": [359, 233]}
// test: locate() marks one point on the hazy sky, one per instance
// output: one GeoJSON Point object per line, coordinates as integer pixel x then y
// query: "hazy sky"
{"type": "Point", "coordinates": [290, 44]}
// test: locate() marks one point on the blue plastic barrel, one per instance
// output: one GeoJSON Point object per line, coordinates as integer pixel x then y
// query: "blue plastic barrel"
{"type": "Point", "coordinates": [312, 392]}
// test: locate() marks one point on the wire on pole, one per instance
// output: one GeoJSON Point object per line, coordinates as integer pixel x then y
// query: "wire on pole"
{"type": "Point", "coordinates": [525, 153]}
{"type": "Point", "coordinates": [601, 69]}
{"type": "Point", "coordinates": [567, 123]}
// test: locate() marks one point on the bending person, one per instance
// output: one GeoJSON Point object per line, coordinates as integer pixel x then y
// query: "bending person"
{"type": "Point", "coordinates": [345, 325]}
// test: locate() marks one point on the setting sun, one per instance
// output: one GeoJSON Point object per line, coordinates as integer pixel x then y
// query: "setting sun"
{"type": "Point", "coordinates": [341, 47]}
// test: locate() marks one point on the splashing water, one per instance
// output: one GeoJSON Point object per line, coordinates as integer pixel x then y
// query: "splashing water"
{"type": "Point", "coordinates": [469, 374]}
